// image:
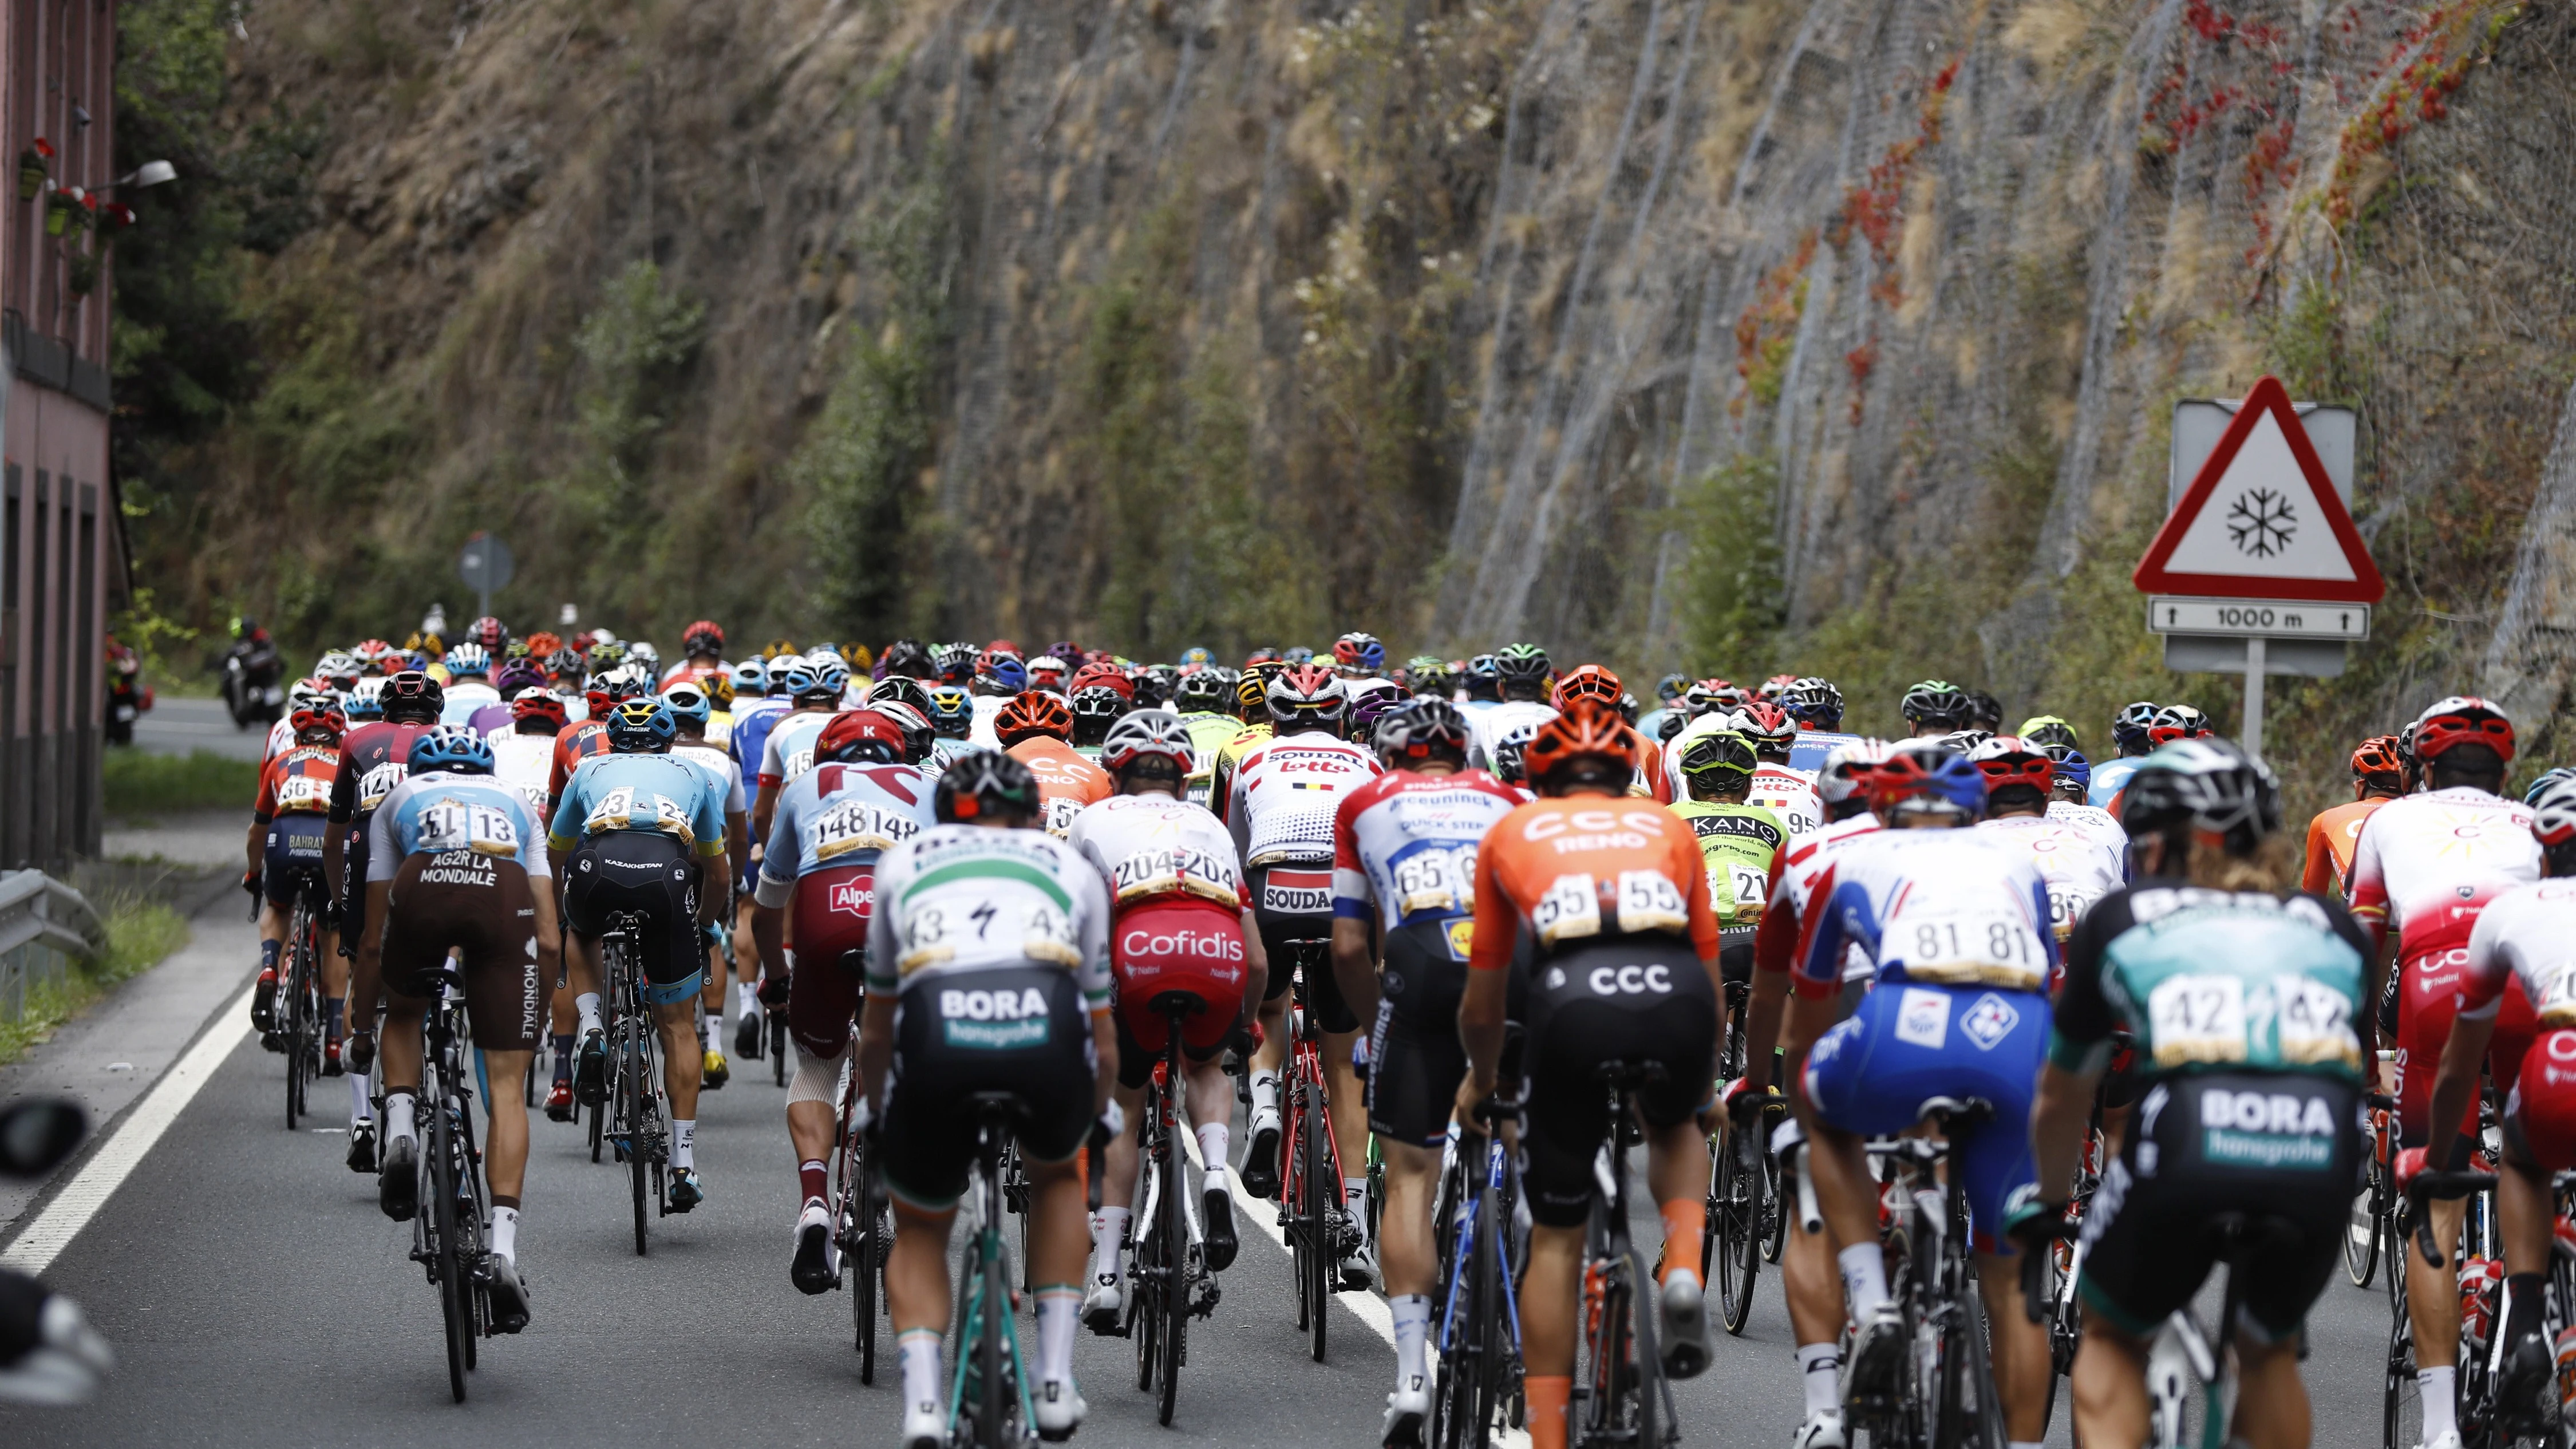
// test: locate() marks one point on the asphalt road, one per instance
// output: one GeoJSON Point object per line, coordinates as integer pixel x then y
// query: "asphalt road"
{"type": "Point", "coordinates": [256, 1297]}
{"type": "Point", "coordinates": [174, 726]}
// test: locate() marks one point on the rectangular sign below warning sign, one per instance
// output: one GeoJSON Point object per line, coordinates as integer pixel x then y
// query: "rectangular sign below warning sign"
{"type": "Point", "coordinates": [2269, 618]}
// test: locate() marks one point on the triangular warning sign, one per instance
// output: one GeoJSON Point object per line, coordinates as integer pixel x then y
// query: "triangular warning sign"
{"type": "Point", "coordinates": [2262, 520]}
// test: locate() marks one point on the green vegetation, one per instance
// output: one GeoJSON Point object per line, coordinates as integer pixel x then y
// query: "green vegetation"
{"type": "Point", "coordinates": [1733, 604]}
{"type": "Point", "coordinates": [140, 933]}
{"type": "Point", "coordinates": [142, 785]}
{"type": "Point", "coordinates": [635, 348]}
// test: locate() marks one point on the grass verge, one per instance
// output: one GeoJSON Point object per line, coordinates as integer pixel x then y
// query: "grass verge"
{"type": "Point", "coordinates": [141, 784]}
{"type": "Point", "coordinates": [140, 932]}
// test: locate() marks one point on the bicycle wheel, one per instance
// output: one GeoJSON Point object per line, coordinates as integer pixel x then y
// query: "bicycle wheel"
{"type": "Point", "coordinates": [632, 1065]}
{"type": "Point", "coordinates": [451, 1268]}
{"type": "Point", "coordinates": [993, 1357]}
{"type": "Point", "coordinates": [1144, 1315]}
{"type": "Point", "coordinates": [1645, 1360]}
{"type": "Point", "coordinates": [1968, 1415]}
{"type": "Point", "coordinates": [1775, 1208]}
{"type": "Point", "coordinates": [1176, 1235]}
{"type": "Point", "coordinates": [2401, 1411]}
{"type": "Point", "coordinates": [1323, 1194]}
{"type": "Point", "coordinates": [1731, 1243]}
{"type": "Point", "coordinates": [2362, 1232]}
{"type": "Point", "coordinates": [297, 1020]}
{"type": "Point", "coordinates": [1293, 1198]}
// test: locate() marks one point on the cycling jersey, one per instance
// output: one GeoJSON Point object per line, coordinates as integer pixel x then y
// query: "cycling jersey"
{"type": "Point", "coordinates": [298, 782]}
{"type": "Point", "coordinates": [1282, 798]}
{"type": "Point", "coordinates": [2109, 778]}
{"type": "Point", "coordinates": [1570, 868]}
{"type": "Point", "coordinates": [1180, 900]}
{"type": "Point", "coordinates": [492, 719]}
{"type": "Point", "coordinates": [1744, 846]}
{"type": "Point", "coordinates": [687, 673]}
{"type": "Point", "coordinates": [442, 813]}
{"type": "Point", "coordinates": [281, 738]}
{"type": "Point", "coordinates": [643, 793]}
{"type": "Point", "coordinates": [719, 733]}
{"type": "Point", "coordinates": [2333, 836]}
{"type": "Point", "coordinates": [373, 760]}
{"type": "Point", "coordinates": [1486, 728]}
{"type": "Point", "coordinates": [1066, 781]}
{"type": "Point", "coordinates": [789, 749]}
{"type": "Point", "coordinates": [2098, 823]}
{"type": "Point", "coordinates": [1404, 847]}
{"type": "Point", "coordinates": [2074, 865]}
{"type": "Point", "coordinates": [457, 853]}
{"type": "Point", "coordinates": [2527, 936]}
{"type": "Point", "coordinates": [1803, 864]}
{"type": "Point", "coordinates": [459, 701]}
{"type": "Point", "coordinates": [945, 752]}
{"type": "Point", "coordinates": [979, 730]}
{"type": "Point", "coordinates": [753, 719]}
{"type": "Point", "coordinates": [1228, 759]}
{"type": "Point", "coordinates": [528, 762]}
{"type": "Point", "coordinates": [958, 900]}
{"type": "Point", "coordinates": [837, 816]}
{"type": "Point", "coordinates": [1789, 795]}
{"type": "Point", "coordinates": [1209, 733]}
{"type": "Point", "coordinates": [1930, 907]}
{"type": "Point", "coordinates": [2426, 863]}
{"type": "Point", "coordinates": [720, 767]}
{"type": "Point", "coordinates": [587, 740]}
{"type": "Point", "coordinates": [1148, 847]}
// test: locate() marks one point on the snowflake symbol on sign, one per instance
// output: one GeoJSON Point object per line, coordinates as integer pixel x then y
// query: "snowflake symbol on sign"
{"type": "Point", "coordinates": [2261, 522]}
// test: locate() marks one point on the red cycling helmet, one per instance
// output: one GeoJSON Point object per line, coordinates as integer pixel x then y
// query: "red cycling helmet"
{"type": "Point", "coordinates": [1048, 671]}
{"type": "Point", "coordinates": [1770, 722]}
{"type": "Point", "coordinates": [319, 718]}
{"type": "Point", "coordinates": [2463, 719]}
{"type": "Point", "coordinates": [1034, 712]}
{"type": "Point", "coordinates": [2377, 756]}
{"type": "Point", "coordinates": [488, 632]}
{"type": "Point", "coordinates": [2010, 760]}
{"type": "Point", "coordinates": [862, 734]}
{"type": "Point", "coordinates": [1591, 682]}
{"type": "Point", "coordinates": [1107, 675]}
{"type": "Point", "coordinates": [707, 630]}
{"type": "Point", "coordinates": [541, 704]}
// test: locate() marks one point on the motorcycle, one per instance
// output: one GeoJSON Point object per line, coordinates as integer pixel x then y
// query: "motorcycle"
{"type": "Point", "coordinates": [127, 695]}
{"type": "Point", "coordinates": [254, 688]}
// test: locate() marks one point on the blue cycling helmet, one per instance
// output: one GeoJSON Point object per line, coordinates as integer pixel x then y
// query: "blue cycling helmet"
{"type": "Point", "coordinates": [952, 712]}
{"type": "Point", "coordinates": [751, 676]}
{"type": "Point", "coordinates": [796, 680]}
{"type": "Point", "coordinates": [831, 674]}
{"type": "Point", "coordinates": [1011, 674]}
{"type": "Point", "coordinates": [451, 747]}
{"type": "Point", "coordinates": [2074, 769]}
{"type": "Point", "coordinates": [2547, 779]}
{"type": "Point", "coordinates": [1196, 658]}
{"type": "Point", "coordinates": [641, 726]}
{"type": "Point", "coordinates": [689, 704]}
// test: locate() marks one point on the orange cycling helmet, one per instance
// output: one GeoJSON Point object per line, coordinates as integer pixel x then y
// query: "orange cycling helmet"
{"type": "Point", "coordinates": [1033, 712]}
{"type": "Point", "coordinates": [2463, 720]}
{"type": "Point", "coordinates": [320, 718]}
{"type": "Point", "coordinates": [1591, 682]}
{"type": "Point", "coordinates": [2377, 756]}
{"type": "Point", "coordinates": [1588, 730]}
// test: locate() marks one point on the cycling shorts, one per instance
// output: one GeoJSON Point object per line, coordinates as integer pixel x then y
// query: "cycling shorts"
{"type": "Point", "coordinates": [1642, 999]}
{"type": "Point", "coordinates": [481, 906]}
{"type": "Point", "coordinates": [2427, 1004]}
{"type": "Point", "coordinates": [2278, 1147]}
{"type": "Point", "coordinates": [294, 855]}
{"type": "Point", "coordinates": [1015, 1029]}
{"type": "Point", "coordinates": [1285, 906]}
{"type": "Point", "coordinates": [1175, 944]}
{"type": "Point", "coordinates": [1903, 1045]}
{"type": "Point", "coordinates": [830, 920]}
{"type": "Point", "coordinates": [1415, 1058]}
{"type": "Point", "coordinates": [649, 874]}
{"type": "Point", "coordinates": [2540, 1111]}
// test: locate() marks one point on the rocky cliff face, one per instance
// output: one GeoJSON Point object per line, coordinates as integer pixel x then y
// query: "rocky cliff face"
{"type": "Point", "coordinates": [1181, 320]}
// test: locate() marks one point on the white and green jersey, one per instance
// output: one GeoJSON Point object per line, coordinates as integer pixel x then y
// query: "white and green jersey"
{"type": "Point", "coordinates": [959, 898]}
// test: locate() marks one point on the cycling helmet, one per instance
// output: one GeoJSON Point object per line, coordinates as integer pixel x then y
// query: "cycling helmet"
{"type": "Point", "coordinates": [2009, 761]}
{"type": "Point", "coordinates": [1482, 679]}
{"type": "Point", "coordinates": [955, 662]}
{"type": "Point", "coordinates": [1197, 657]}
{"type": "Point", "coordinates": [1148, 732]}
{"type": "Point", "coordinates": [375, 655]}
{"type": "Point", "coordinates": [1589, 681]}
{"type": "Point", "coordinates": [689, 705]}
{"type": "Point", "coordinates": [1935, 702]}
{"type": "Point", "coordinates": [705, 636]}
{"type": "Point", "coordinates": [1966, 741]}
{"type": "Point", "coordinates": [1670, 687]}
{"type": "Point", "coordinates": [1985, 712]}
{"type": "Point", "coordinates": [919, 739]}
{"type": "Point", "coordinates": [1297, 654]}
{"type": "Point", "coordinates": [1252, 690]}
{"type": "Point", "coordinates": [487, 632]}
{"type": "Point", "coordinates": [1814, 703]}
{"type": "Point", "coordinates": [451, 747]}
{"type": "Point", "coordinates": [538, 704]}
{"type": "Point", "coordinates": [1847, 770]}
{"type": "Point", "coordinates": [2129, 726]}
{"type": "Point", "coordinates": [641, 726]}
{"type": "Point", "coordinates": [907, 689]}
{"type": "Point", "coordinates": [1106, 676]}
{"type": "Point", "coordinates": [1095, 708]}
{"type": "Point", "coordinates": [1429, 674]}
{"type": "Point", "coordinates": [2546, 780]}
{"type": "Point", "coordinates": [1371, 709]}
{"type": "Point", "coordinates": [1627, 706]}
{"type": "Point", "coordinates": [412, 697]}
{"type": "Point", "coordinates": [2045, 730]}
{"type": "Point", "coordinates": [832, 675]}
{"type": "Point", "coordinates": [1202, 691]}
{"type": "Point", "coordinates": [467, 659]}
{"type": "Point", "coordinates": [1711, 694]}
{"type": "Point", "coordinates": [1588, 731]}
{"type": "Point", "coordinates": [2206, 785]}
{"type": "Point", "coordinates": [982, 782]}
{"type": "Point", "coordinates": [564, 664]}
{"type": "Point", "coordinates": [366, 700]}
{"type": "Point", "coordinates": [2073, 779]}
{"type": "Point", "coordinates": [310, 691]}
{"type": "Point", "coordinates": [1033, 712]}
{"type": "Point", "coordinates": [1424, 729]}
{"type": "Point", "coordinates": [1722, 754]}
{"type": "Point", "coordinates": [2463, 720]}
{"type": "Point", "coordinates": [1359, 652]}
{"type": "Point", "coordinates": [1266, 654]}
{"type": "Point", "coordinates": [1926, 779]}
{"type": "Point", "coordinates": [320, 719]}
{"type": "Point", "coordinates": [1521, 671]}
{"type": "Point", "coordinates": [1006, 672]}
{"type": "Point", "coordinates": [2377, 756]}
{"type": "Point", "coordinates": [1511, 763]}
{"type": "Point", "coordinates": [339, 668]}
{"type": "Point", "coordinates": [1770, 728]}
{"type": "Point", "coordinates": [909, 657]}
{"type": "Point", "coordinates": [1154, 685]}
{"type": "Point", "coordinates": [605, 690]}
{"type": "Point", "coordinates": [644, 655]}
{"type": "Point", "coordinates": [861, 737]}
{"type": "Point", "coordinates": [1306, 695]}
{"type": "Point", "coordinates": [719, 687]}
{"type": "Point", "coordinates": [952, 712]}
{"type": "Point", "coordinates": [517, 675]}
{"type": "Point", "coordinates": [2178, 722]}
{"type": "Point", "coordinates": [2553, 815]}
{"type": "Point", "coordinates": [604, 654]}
{"type": "Point", "coordinates": [794, 678]}
{"type": "Point", "coordinates": [542, 643]}
{"type": "Point", "coordinates": [1773, 687]}
{"type": "Point", "coordinates": [1049, 671]}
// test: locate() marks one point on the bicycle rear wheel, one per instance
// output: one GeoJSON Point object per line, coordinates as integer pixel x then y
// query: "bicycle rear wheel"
{"type": "Point", "coordinates": [1646, 1364]}
{"type": "Point", "coordinates": [1969, 1414]}
{"type": "Point", "coordinates": [993, 1359]}
{"type": "Point", "coordinates": [1731, 1244]}
{"type": "Point", "coordinates": [1775, 1207]}
{"type": "Point", "coordinates": [1323, 1196]}
{"type": "Point", "coordinates": [2363, 1231]}
{"type": "Point", "coordinates": [632, 1066]}
{"type": "Point", "coordinates": [451, 1266]}
{"type": "Point", "coordinates": [296, 1015]}
{"type": "Point", "coordinates": [1176, 1236]}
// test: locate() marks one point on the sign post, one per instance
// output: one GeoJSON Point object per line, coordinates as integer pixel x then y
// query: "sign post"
{"type": "Point", "coordinates": [485, 565]}
{"type": "Point", "coordinates": [2260, 552]}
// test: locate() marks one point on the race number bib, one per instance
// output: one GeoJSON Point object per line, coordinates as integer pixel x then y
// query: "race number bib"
{"type": "Point", "coordinates": [2313, 1023]}
{"type": "Point", "coordinates": [1435, 879]}
{"type": "Point", "coordinates": [964, 929]}
{"type": "Point", "coordinates": [303, 794]}
{"type": "Point", "coordinates": [1059, 815]}
{"type": "Point", "coordinates": [1570, 908]}
{"type": "Point", "coordinates": [623, 809]}
{"type": "Point", "coordinates": [2553, 994]}
{"type": "Point", "coordinates": [2197, 1019]}
{"type": "Point", "coordinates": [457, 825]}
{"type": "Point", "coordinates": [2066, 906]}
{"type": "Point", "coordinates": [1649, 901]}
{"type": "Point", "coordinates": [859, 825]}
{"type": "Point", "coordinates": [1961, 946]}
{"type": "Point", "coordinates": [379, 782]}
{"type": "Point", "coordinates": [1749, 885]}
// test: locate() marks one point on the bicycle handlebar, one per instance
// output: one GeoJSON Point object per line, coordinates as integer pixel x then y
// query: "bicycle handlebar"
{"type": "Point", "coordinates": [2429, 1185]}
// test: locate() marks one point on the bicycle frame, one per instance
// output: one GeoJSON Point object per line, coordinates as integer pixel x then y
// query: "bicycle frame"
{"type": "Point", "coordinates": [1310, 1210]}
{"type": "Point", "coordinates": [1173, 1284]}
{"type": "Point", "coordinates": [447, 1231]}
{"type": "Point", "coordinates": [988, 1336]}
{"type": "Point", "coordinates": [1479, 1371]}
{"type": "Point", "coordinates": [1952, 1399]}
{"type": "Point", "coordinates": [1621, 1387]}
{"type": "Point", "coordinates": [634, 1105]}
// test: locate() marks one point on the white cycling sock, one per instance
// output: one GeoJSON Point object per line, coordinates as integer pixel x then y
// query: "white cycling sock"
{"type": "Point", "coordinates": [360, 1108]}
{"type": "Point", "coordinates": [1355, 1202]}
{"type": "Point", "coordinates": [1108, 1239]}
{"type": "Point", "coordinates": [1864, 1268]}
{"type": "Point", "coordinates": [586, 1006]}
{"type": "Point", "coordinates": [745, 999]}
{"type": "Point", "coordinates": [715, 1030]}
{"type": "Point", "coordinates": [684, 1142]}
{"type": "Point", "coordinates": [505, 1233]}
{"type": "Point", "coordinates": [919, 1350]}
{"type": "Point", "coordinates": [1412, 1312]}
{"type": "Point", "coordinates": [398, 1118]}
{"type": "Point", "coordinates": [1265, 1092]}
{"type": "Point", "coordinates": [1820, 1366]}
{"type": "Point", "coordinates": [2436, 1387]}
{"type": "Point", "coordinates": [1212, 1149]}
{"type": "Point", "coordinates": [2027, 1444]}
{"type": "Point", "coordinates": [1059, 1309]}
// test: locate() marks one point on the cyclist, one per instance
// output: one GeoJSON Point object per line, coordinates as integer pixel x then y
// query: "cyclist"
{"type": "Point", "coordinates": [523, 757]}
{"type": "Point", "coordinates": [988, 971]}
{"type": "Point", "coordinates": [469, 686]}
{"type": "Point", "coordinates": [1614, 901]}
{"type": "Point", "coordinates": [1934, 707]}
{"type": "Point", "coordinates": [515, 678]}
{"type": "Point", "coordinates": [2426, 865]}
{"type": "Point", "coordinates": [2070, 780]}
{"type": "Point", "coordinates": [1600, 686]}
{"type": "Point", "coordinates": [786, 746]}
{"type": "Point", "coordinates": [1814, 704]}
{"type": "Point", "coordinates": [588, 738]}
{"type": "Point", "coordinates": [1204, 699]}
{"type": "Point", "coordinates": [834, 822]}
{"type": "Point", "coordinates": [2521, 936]}
{"type": "Point", "coordinates": [693, 709]}
{"type": "Point", "coordinates": [373, 759]}
{"type": "Point", "coordinates": [2239, 1116]}
{"type": "Point", "coordinates": [451, 860]}
{"type": "Point", "coordinates": [1280, 810]}
{"type": "Point", "coordinates": [1404, 852]}
{"type": "Point", "coordinates": [1523, 679]}
{"type": "Point", "coordinates": [1096, 707]}
{"type": "Point", "coordinates": [1742, 844]}
{"type": "Point", "coordinates": [1429, 676]}
{"type": "Point", "coordinates": [1480, 686]}
{"type": "Point", "coordinates": [285, 848]}
{"type": "Point", "coordinates": [2378, 776]}
{"type": "Point", "coordinates": [702, 654]}
{"type": "Point", "coordinates": [1785, 790]}
{"type": "Point", "coordinates": [2075, 865]}
{"type": "Point", "coordinates": [1033, 728]}
{"type": "Point", "coordinates": [2129, 745]}
{"type": "Point", "coordinates": [2177, 722]}
{"type": "Point", "coordinates": [1182, 923]}
{"type": "Point", "coordinates": [1957, 927]}
{"type": "Point", "coordinates": [623, 838]}
{"type": "Point", "coordinates": [1252, 704]}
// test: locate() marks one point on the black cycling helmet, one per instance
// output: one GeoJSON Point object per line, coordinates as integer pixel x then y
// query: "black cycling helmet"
{"type": "Point", "coordinates": [1813, 702]}
{"type": "Point", "coordinates": [1154, 684]}
{"type": "Point", "coordinates": [2207, 786]}
{"type": "Point", "coordinates": [1936, 702]}
{"type": "Point", "coordinates": [910, 657]}
{"type": "Point", "coordinates": [412, 697]}
{"type": "Point", "coordinates": [1095, 708]}
{"type": "Point", "coordinates": [982, 783]}
{"type": "Point", "coordinates": [1985, 712]}
{"type": "Point", "coordinates": [1483, 679]}
{"type": "Point", "coordinates": [1521, 671]}
{"type": "Point", "coordinates": [1425, 729]}
{"type": "Point", "coordinates": [1203, 691]}
{"type": "Point", "coordinates": [905, 688]}
{"type": "Point", "coordinates": [2129, 727]}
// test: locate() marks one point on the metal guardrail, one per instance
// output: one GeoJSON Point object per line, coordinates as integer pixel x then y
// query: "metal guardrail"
{"type": "Point", "coordinates": [45, 925]}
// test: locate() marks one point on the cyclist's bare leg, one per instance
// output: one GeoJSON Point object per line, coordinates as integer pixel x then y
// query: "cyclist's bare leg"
{"type": "Point", "coordinates": [1272, 1057]}
{"type": "Point", "coordinates": [682, 1063]}
{"type": "Point", "coordinates": [814, 1120]}
{"type": "Point", "coordinates": [746, 952]}
{"type": "Point", "coordinates": [1407, 1251]}
{"type": "Point", "coordinates": [581, 964]}
{"type": "Point", "coordinates": [2108, 1387]}
{"type": "Point", "coordinates": [505, 1162]}
{"type": "Point", "coordinates": [1348, 1104]}
{"type": "Point", "coordinates": [2019, 1349]}
{"type": "Point", "coordinates": [272, 922]}
{"type": "Point", "coordinates": [1845, 1192]}
{"type": "Point", "coordinates": [917, 1285]}
{"type": "Point", "coordinates": [400, 1051]}
{"type": "Point", "coordinates": [2433, 1294]}
{"type": "Point", "coordinates": [1119, 1158]}
{"type": "Point", "coordinates": [2271, 1404]}
{"type": "Point", "coordinates": [1060, 1230]}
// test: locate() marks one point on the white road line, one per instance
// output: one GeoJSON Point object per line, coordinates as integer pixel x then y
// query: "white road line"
{"type": "Point", "coordinates": [35, 1249]}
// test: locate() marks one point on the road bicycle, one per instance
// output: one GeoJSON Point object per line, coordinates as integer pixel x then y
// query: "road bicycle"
{"type": "Point", "coordinates": [1743, 1218]}
{"type": "Point", "coordinates": [1319, 1231]}
{"type": "Point", "coordinates": [2481, 1277]}
{"type": "Point", "coordinates": [2365, 1239]}
{"type": "Point", "coordinates": [1620, 1395]}
{"type": "Point", "coordinates": [1477, 1392]}
{"type": "Point", "coordinates": [1169, 1267]}
{"type": "Point", "coordinates": [637, 1128]}
{"type": "Point", "coordinates": [988, 1393]}
{"type": "Point", "coordinates": [862, 1225]}
{"type": "Point", "coordinates": [301, 1024]}
{"type": "Point", "coordinates": [447, 1231]}
{"type": "Point", "coordinates": [1947, 1395]}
